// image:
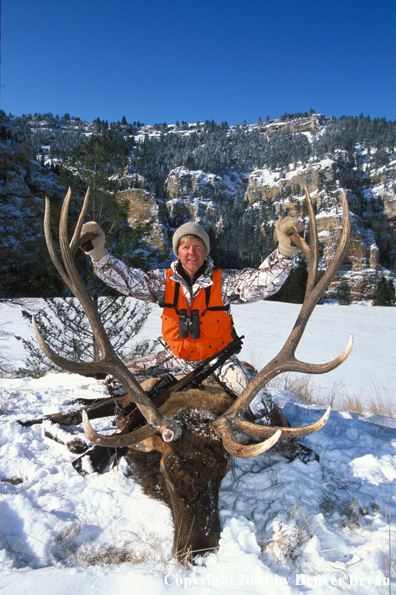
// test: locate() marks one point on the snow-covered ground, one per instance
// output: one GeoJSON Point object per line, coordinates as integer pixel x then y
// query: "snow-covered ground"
{"type": "Point", "coordinates": [368, 374]}
{"type": "Point", "coordinates": [325, 527]}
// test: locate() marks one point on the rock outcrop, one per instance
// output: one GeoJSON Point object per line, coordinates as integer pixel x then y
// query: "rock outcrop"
{"type": "Point", "coordinates": [144, 208]}
{"type": "Point", "coordinates": [236, 181]}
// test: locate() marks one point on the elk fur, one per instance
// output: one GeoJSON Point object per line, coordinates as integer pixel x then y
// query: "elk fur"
{"type": "Point", "coordinates": [187, 474]}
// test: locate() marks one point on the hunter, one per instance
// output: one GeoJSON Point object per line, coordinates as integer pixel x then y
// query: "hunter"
{"type": "Point", "coordinates": [196, 299]}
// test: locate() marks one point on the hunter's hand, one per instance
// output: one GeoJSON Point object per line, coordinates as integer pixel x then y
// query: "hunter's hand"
{"type": "Point", "coordinates": [284, 229]}
{"type": "Point", "coordinates": [92, 240]}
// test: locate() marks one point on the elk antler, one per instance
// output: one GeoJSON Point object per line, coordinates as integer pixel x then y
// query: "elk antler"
{"type": "Point", "coordinates": [286, 361]}
{"type": "Point", "coordinates": [109, 362]}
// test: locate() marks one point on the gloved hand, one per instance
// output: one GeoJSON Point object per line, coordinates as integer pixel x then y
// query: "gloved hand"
{"type": "Point", "coordinates": [92, 240]}
{"type": "Point", "coordinates": [283, 230]}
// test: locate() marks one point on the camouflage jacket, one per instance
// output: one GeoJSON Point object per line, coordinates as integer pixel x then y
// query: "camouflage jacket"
{"type": "Point", "coordinates": [238, 286]}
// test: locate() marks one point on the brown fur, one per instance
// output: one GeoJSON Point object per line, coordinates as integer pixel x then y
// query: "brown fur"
{"type": "Point", "coordinates": [187, 473]}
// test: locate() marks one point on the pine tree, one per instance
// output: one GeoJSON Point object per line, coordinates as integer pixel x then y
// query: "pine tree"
{"type": "Point", "coordinates": [385, 294]}
{"type": "Point", "coordinates": [63, 325]}
{"type": "Point", "coordinates": [344, 293]}
{"type": "Point", "coordinates": [62, 322]}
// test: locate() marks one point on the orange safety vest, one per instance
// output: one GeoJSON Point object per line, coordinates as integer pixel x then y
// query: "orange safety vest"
{"type": "Point", "coordinates": [216, 325]}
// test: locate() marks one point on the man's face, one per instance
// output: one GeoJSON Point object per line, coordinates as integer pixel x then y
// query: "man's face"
{"type": "Point", "coordinates": [192, 254]}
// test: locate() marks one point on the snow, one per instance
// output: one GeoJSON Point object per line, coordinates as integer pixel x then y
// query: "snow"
{"type": "Point", "coordinates": [369, 372]}
{"type": "Point", "coordinates": [287, 527]}
{"type": "Point", "coordinates": [269, 177]}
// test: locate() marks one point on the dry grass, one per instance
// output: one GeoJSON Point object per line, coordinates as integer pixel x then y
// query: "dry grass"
{"type": "Point", "coordinates": [12, 480]}
{"type": "Point", "coordinates": [3, 404]}
{"type": "Point", "coordinates": [96, 555]}
{"type": "Point", "coordinates": [291, 535]}
{"type": "Point", "coordinates": [304, 524]}
{"type": "Point", "coordinates": [304, 386]}
{"type": "Point", "coordinates": [3, 399]}
{"type": "Point", "coordinates": [66, 549]}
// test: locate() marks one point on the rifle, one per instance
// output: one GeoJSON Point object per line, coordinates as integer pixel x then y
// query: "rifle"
{"type": "Point", "coordinates": [100, 456]}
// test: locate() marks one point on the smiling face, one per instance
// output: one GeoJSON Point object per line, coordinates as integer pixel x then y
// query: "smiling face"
{"type": "Point", "coordinates": [192, 254]}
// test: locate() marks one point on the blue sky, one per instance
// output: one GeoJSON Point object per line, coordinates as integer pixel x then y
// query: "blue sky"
{"type": "Point", "coordinates": [167, 60]}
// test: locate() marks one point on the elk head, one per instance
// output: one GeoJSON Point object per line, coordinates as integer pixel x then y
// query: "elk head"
{"type": "Point", "coordinates": [192, 438]}
{"type": "Point", "coordinates": [188, 472]}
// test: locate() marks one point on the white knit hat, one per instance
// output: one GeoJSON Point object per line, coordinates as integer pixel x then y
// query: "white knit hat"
{"type": "Point", "coordinates": [193, 229]}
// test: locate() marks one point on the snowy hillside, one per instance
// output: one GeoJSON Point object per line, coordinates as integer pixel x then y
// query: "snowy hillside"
{"type": "Point", "coordinates": [325, 527]}
{"type": "Point", "coordinates": [229, 178]}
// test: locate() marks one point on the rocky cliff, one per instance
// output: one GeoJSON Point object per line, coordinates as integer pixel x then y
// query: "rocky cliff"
{"type": "Point", "coordinates": [235, 180]}
{"type": "Point", "coordinates": [201, 197]}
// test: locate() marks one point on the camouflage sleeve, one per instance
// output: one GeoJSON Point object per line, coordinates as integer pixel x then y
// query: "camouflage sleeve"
{"type": "Point", "coordinates": [133, 282]}
{"type": "Point", "coordinates": [251, 285]}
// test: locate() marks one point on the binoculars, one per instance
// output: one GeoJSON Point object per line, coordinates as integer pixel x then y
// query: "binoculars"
{"type": "Point", "coordinates": [189, 324]}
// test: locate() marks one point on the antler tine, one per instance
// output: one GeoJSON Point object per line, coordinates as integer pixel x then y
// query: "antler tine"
{"type": "Point", "coordinates": [75, 283]}
{"type": "Point", "coordinates": [264, 431]}
{"type": "Point", "coordinates": [116, 440]}
{"type": "Point", "coordinates": [285, 360]}
{"type": "Point", "coordinates": [109, 363]}
{"type": "Point", "coordinates": [248, 450]}
{"type": "Point", "coordinates": [50, 242]}
{"type": "Point", "coordinates": [315, 293]}
{"type": "Point", "coordinates": [310, 253]}
{"type": "Point", "coordinates": [74, 244]}
{"type": "Point", "coordinates": [313, 257]}
{"type": "Point", "coordinates": [64, 272]}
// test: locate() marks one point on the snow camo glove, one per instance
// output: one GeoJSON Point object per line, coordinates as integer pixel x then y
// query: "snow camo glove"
{"type": "Point", "coordinates": [92, 240]}
{"type": "Point", "coordinates": [283, 230]}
